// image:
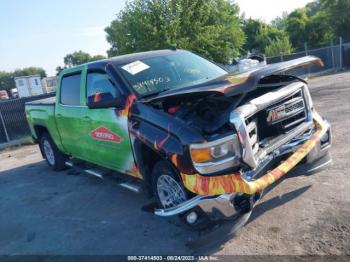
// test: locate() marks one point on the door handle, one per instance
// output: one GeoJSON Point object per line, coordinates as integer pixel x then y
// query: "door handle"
{"type": "Point", "coordinates": [58, 115]}
{"type": "Point", "coordinates": [87, 118]}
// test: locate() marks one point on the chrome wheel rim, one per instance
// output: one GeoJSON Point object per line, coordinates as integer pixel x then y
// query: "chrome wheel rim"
{"type": "Point", "coordinates": [50, 157]}
{"type": "Point", "coordinates": [170, 192]}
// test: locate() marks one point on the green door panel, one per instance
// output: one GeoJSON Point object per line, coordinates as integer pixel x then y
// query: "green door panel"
{"type": "Point", "coordinates": [106, 139]}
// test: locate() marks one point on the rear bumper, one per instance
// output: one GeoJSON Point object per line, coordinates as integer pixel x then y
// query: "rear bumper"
{"type": "Point", "coordinates": [220, 197]}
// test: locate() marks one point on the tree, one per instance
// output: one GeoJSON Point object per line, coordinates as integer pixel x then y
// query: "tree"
{"type": "Point", "coordinates": [208, 27]}
{"type": "Point", "coordinates": [59, 69]}
{"type": "Point", "coordinates": [280, 21]}
{"type": "Point", "coordinates": [30, 71]}
{"type": "Point", "coordinates": [309, 25]}
{"type": "Point", "coordinates": [79, 58]}
{"type": "Point", "coordinates": [260, 35]}
{"type": "Point", "coordinates": [279, 47]}
{"type": "Point", "coordinates": [336, 14]}
{"type": "Point", "coordinates": [296, 27]}
{"type": "Point", "coordinates": [6, 80]}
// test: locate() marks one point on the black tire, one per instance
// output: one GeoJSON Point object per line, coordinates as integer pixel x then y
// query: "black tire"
{"type": "Point", "coordinates": [161, 169]}
{"type": "Point", "coordinates": [165, 168]}
{"type": "Point", "coordinates": [57, 159]}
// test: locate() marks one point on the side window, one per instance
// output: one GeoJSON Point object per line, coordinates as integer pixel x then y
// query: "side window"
{"type": "Point", "coordinates": [98, 83]}
{"type": "Point", "coordinates": [70, 90]}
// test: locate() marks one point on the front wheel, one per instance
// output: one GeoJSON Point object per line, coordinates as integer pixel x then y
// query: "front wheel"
{"type": "Point", "coordinates": [167, 186]}
{"type": "Point", "coordinates": [170, 192]}
{"type": "Point", "coordinates": [51, 153]}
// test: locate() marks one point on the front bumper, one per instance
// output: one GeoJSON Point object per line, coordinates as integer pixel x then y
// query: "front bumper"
{"type": "Point", "coordinates": [217, 195]}
{"type": "Point", "coordinates": [238, 183]}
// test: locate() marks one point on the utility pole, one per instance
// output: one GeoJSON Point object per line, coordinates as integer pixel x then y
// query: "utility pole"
{"type": "Point", "coordinates": [332, 53]}
{"type": "Point", "coordinates": [306, 49]}
{"type": "Point", "coordinates": [341, 52]}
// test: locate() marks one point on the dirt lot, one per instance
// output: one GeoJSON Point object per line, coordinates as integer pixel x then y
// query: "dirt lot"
{"type": "Point", "coordinates": [44, 212]}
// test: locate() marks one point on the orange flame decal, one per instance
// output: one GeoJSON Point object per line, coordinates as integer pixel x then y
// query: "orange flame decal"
{"type": "Point", "coordinates": [234, 183]}
{"type": "Point", "coordinates": [135, 172]}
{"type": "Point", "coordinates": [161, 143]}
{"type": "Point", "coordinates": [130, 100]}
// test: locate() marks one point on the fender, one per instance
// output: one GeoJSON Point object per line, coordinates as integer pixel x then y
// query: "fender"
{"type": "Point", "coordinates": [164, 134]}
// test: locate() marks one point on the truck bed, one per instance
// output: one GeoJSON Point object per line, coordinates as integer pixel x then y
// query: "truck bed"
{"type": "Point", "coordinates": [45, 101]}
{"type": "Point", "coordinates": [41, 113]}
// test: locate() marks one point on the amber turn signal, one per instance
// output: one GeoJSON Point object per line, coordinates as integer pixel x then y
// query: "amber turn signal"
{"type": "Point", "coordinates": [201, 155]}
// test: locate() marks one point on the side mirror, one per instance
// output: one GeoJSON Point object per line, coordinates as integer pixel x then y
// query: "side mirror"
{"type": "Point", "coordinates": [104, 100]}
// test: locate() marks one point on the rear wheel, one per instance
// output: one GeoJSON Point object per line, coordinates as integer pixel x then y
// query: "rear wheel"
{"type": "Point", "coordinates": [52, 154]}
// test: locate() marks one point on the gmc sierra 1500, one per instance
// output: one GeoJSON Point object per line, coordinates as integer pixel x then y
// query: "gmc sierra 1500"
{"type": "Point", "coordinates": [204, 141]}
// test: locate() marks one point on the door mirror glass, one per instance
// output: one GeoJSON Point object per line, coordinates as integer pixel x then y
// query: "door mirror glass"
{"type": "Point", "coordinates": [103, 100]}
{"type": "Point", "coordinates": [102, 92]}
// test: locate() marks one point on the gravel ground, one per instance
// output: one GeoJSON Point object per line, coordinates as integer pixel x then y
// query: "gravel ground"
{"type": "Point", "coordinates": [45, 212]}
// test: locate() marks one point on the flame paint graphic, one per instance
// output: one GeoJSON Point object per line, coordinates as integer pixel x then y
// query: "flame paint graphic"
{"type": "Point", "coordinates": [161, 143]}
{"type": "Point", "coordinates": [135, 172]}
{"type": "Point", "coordinates": [128, 104]}
{"type": "Point", "coordinates": [217, 185]}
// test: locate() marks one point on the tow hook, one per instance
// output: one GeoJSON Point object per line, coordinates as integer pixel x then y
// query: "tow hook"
{"type": "Point", "coordinates": [245, 203]}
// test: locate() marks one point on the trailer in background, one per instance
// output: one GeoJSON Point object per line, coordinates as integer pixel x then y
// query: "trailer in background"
{"type": "Point", "coordinates": [49, 84]}
{"type": "Point", "coordinates": [29, 86]}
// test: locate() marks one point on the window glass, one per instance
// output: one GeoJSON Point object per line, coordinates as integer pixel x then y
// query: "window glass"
{"type": "Point", "coordinates": [70, 90]}
{"type": "Point", "coordinates": [99, 82]}
{"type": "Point", "coordinates": [157, 74]}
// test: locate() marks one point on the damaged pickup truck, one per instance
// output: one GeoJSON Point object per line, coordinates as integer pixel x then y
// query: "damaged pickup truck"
{"type": "Point", "coordinates": [204, 142]}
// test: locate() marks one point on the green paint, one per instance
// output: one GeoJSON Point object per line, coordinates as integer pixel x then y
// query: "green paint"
{"type": "Point", "coordinates": [71, 127]}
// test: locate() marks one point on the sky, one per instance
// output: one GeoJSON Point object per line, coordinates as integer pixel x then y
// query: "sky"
{"type": "Point", "coordinates": [41, 32]}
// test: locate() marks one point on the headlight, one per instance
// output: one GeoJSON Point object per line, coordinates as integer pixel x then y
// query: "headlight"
{"type": "Point", "coordinates": [215, 156]}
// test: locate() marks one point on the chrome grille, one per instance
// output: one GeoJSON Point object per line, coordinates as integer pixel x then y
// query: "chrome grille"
{"type": "Point", "coordinates": [257, 135]}
{"type": "Point", "coordinates": [287, 113]}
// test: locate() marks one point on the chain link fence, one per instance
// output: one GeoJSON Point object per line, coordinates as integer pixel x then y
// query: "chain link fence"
{"type": "Point", "coordinates": [335, 58]}
{"type": "Point", "coordinates": [13, 123]}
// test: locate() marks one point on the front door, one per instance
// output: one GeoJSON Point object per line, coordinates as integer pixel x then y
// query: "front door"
{"type": "Point", "coordinates": [106, 134]}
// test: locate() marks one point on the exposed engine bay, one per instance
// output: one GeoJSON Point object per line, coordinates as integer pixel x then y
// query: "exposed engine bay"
{"type": "Point", "coordinates": [209, 112]}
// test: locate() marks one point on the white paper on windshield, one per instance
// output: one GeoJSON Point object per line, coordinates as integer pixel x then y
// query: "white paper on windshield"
{"type": "Point", "coordinates": [135, 67]}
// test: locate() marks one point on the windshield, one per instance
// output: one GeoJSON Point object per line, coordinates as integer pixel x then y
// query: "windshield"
{"type": "Point", "coordinates": [154, 75]}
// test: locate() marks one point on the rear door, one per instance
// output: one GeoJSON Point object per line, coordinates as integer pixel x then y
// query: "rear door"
{"type": "Point", "coordinates": [69, 111]}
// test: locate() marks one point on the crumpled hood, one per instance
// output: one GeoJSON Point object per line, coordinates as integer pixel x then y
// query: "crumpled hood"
{"type": "Point", "coordinates": [235, 84]}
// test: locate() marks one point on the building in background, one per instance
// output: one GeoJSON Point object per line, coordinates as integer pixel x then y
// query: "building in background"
{"type": "Point", "coordinates": [28, 86]}
{"type": "Point", "coordinates": [49, 84]}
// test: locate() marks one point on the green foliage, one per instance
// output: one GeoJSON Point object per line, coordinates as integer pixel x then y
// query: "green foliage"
{"type": "Point", "coordinates": [279, 47]}
{"type": "Point", "coordinates": [208, 27]}
{"type": "Point", "coordinates": [318, 23]}
{"type": "Point", "coordinates": [79, 58]}
{"type": "Point", "coordinates": [280, 21]}
{"type": "Point", "coordinates": [30, 71]}
{"type": "Point", "coordinates": [337, 15]}
{"type": "Point", "coordinates": [260, 35]}
{"type": "Point", "coordinates": [7, 78]}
